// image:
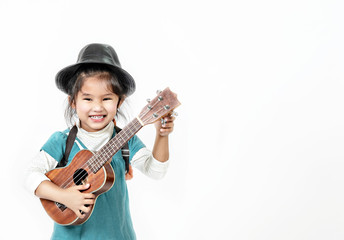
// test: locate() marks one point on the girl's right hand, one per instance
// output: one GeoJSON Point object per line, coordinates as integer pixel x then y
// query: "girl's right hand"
{"type": "Point", "coordinates": [78, 201]}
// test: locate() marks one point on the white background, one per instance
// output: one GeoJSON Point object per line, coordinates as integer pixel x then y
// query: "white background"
{"type": "Point", "coordinates": [257, 151]}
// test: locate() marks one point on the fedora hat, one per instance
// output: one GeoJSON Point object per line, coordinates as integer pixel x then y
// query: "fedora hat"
{"type": "Point", "coordinates": [95, 54]}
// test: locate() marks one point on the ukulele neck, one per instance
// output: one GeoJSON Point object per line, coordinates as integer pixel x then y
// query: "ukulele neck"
{"type": "Point", "coordinates": [114, 145]}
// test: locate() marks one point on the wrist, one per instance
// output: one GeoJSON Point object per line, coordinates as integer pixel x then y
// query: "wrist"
{"type": "Point", "coordinates": [161, 135]}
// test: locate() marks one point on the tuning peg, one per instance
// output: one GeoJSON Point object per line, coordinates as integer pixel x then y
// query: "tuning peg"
{"type": "Point", "coordinates": [174, 114]}
{"type": "Point", "coordinates": [148, 100]}
{"type": "Point", "coordinates": [166, 107]}
{"type": "Point", "coordinates": [158, 92]}
{"type": "Point", "coordinates": [155, 115]}
{"type": "Point", "coordinates": [160, 98]}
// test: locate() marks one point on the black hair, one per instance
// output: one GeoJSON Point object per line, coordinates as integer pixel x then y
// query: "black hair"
{"type": "Point", "coordinates": [93, 70]}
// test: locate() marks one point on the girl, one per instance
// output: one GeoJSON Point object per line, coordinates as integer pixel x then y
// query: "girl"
{"type": "Point", "coordinates": [97, 86]}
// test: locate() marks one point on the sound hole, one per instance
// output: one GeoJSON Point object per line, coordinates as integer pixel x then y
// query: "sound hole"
{"type": "Point", "coordinates": [80, 176]}
{"type": "Point", "coordinates": [61, 206]}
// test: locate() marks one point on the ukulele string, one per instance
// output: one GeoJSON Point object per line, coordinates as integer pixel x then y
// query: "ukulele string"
{"type": "Point", "coordinates": [94, 160]}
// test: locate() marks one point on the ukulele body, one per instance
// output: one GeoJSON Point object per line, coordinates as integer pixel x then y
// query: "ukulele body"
{"type": "Point", "coordinates": [76, 173]}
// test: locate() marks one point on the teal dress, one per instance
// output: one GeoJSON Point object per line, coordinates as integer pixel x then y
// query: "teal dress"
{"type": "Point", "coordinates": [110, 218]}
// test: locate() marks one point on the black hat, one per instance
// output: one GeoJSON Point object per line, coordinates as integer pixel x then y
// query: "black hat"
{"type": "Point", "coordinates": [99, 54]}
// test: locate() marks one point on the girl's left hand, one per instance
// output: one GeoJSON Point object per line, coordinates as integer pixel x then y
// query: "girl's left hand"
{"type": "Point", "coordinates": [165, 127]}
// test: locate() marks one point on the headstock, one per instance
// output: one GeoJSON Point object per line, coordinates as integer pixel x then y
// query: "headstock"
{"type": "Point", "coordinates": [159, 107]}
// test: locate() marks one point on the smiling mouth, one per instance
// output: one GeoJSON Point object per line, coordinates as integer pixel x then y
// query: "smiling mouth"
{"type": "Point", "coordinates": [98, 117]}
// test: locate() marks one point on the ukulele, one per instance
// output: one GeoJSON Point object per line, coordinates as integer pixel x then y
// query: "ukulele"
{"type": "Point", "coordinates": [94, 168]}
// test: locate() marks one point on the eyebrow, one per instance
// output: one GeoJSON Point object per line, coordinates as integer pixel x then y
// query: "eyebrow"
{"type": "Point", "coordinates": [88, 94]}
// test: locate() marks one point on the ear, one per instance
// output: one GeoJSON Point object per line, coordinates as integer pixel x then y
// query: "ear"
{"type": "Point", "coordinates": [71, 103]}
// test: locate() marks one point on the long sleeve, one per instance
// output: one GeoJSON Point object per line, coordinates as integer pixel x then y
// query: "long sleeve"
{"type": "Point", "coordinates": [144, 161]}
{"type": "Point", "coordinates": [35, 173]}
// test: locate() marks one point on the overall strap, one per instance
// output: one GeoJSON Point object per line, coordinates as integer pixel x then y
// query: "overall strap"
{"type": "Point", "coordinates": [69, 144]}
{"type": "Point", "coordinates": [125, 152]}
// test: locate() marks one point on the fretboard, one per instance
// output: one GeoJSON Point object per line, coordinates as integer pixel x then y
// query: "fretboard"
{"type": "Point", "coordinates": [114, 145]}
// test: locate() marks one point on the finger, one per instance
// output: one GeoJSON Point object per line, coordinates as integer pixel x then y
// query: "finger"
{"type": "Point", "coordinates": [79, 214]}
{"type": "Point", "coordinates": [89, 202]}
{"type": "Point", "coordinates": [89, 196]}
{"type": "Point", "coordinates": [168, 125]}
{"type": "Point", "coordinates": [83, 186]}
{"type": "Point", "coordinates": [166, 130]}
{"type": "Point", "coordinates": [85, 209]}
{"type": "Point", "coordinates": [169, 119]}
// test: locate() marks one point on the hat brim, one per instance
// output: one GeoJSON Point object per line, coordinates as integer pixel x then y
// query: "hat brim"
{"type": "Point", "coordinates": [65, 78]}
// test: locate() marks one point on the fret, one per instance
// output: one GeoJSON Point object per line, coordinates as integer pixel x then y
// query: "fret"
{"type": "Point", "coordinates": [114, 145]}
{"type": "Point", "coordinates": [91, 163]}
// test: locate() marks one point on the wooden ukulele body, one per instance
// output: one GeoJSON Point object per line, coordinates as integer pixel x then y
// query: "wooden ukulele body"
{"type": "Point", "coordinates": [76, 173]}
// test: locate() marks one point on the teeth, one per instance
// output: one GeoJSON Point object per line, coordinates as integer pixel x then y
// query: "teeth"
{"type": "Point", "coordinates": [97, 117]}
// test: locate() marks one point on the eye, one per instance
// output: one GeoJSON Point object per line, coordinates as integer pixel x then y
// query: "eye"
{"type": "Point", "coordinates": [87, 99]}
{"type": "Point", "coordinates": [107, 99]}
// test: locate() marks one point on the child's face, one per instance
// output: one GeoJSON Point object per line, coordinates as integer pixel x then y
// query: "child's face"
{"type": "Point", "coordinates": [95, 104]}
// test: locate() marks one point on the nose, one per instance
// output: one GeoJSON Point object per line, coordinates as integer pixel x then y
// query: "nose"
{"type": "Point", "coordinates": [98, 106]}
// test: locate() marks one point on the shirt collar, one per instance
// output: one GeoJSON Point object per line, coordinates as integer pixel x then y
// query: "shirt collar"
{"type": "Point", "coordinates": [108, 130]}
